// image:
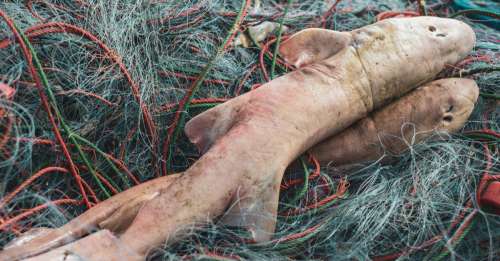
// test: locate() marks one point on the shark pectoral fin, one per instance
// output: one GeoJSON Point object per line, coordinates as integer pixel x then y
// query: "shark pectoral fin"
{"type": "Point", "coordinates": [47, 239]}
{"type": "Point", "coordinates": [115, 213]}
{"type": "Point", "coordinates": [121, 219]}
{"type": "Point", "coordinates": [34, 243]}
{"type": "Point", "coordinates": [199, 129]}
{"type": "Point", "coordinates": [28, 236]}
{"type": "Point", "coordinates": [99, 246]}
{"type": "Point", "coordinates": [204, 129]}
{"type": "Point", "coordinates": [313, 45]}
{"type": "Point", "coordinates": [255, 212]}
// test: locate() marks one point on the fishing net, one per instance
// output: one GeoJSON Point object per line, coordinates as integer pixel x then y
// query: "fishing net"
{"type": "Point", "coordinates": [103, 89]}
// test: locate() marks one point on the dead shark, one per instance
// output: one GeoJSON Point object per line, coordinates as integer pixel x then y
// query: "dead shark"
{"type": "Point", "coordinates": [342, 77]}
{"type": "Point", "coordinates": [442, 106]}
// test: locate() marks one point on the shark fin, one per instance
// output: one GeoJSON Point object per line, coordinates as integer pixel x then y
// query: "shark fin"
{"type": "Point", "coordinates": [125, 214]}
{"type": "Point", "coordinates": [305, 47]}
{"type": "Point", "coordinates": [106, 214]}
{"type": "Point", "coordinates": [313, 45]}
{"type": "Point", "coordinates": [255, 211]}
{"type": "Point", "coordinates": [208, 126]}
{"type": "Point", "coordinates": [101, 245]}
{"type": "Point", "coordinates": [28, 236]}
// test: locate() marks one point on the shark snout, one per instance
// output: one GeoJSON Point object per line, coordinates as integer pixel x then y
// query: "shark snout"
{"type": "Point", "coordinates": [450, 39]}
{"type": "Point", "coordinates": [458, 106]}
{"type": "Point", "coordinates": [454, 38]}
{"type": "Point", "coordinates": [466, 90]}
{"type": "Point", "coordinates": [460, 35]}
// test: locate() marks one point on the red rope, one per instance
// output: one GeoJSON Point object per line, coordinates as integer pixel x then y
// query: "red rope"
{"type": "Point", "coordinates": [184, 13]}
{"type": "Point", "coordinates": [265, 48]}
{"type": "Point", "coordinates": [29, 212]}
{"type": "Point", "coordinates": [71, 29]}
{"type": "Point", "coordinates": [27, 182]}
{"type": "Point", "coordinates": [121, 165]}
{"type": "Point", "coordinates": [244, 79]}
{"type": "Point", "coordinates": [297, 235]}
{"type": "Point", "coordinates": [457, 220]}
{"type": "Point", "coordinates": [471, 59]}
{"type": "Point", "coordinates": [329, 13]}
{"type": "Point", "coordinates": [46, 105]}
{"type": "Point", "coordinates": [89, 94]}
{"type": "Point", "coordinates": [486, 178]}
{"type": "Point", "coordinates": [103, 180]}
{"type": "Point", "coordinates": [58, 27]}
{"type": "Point", "coordinates": [484, 131]}
{"type": "Point", "coordinates": [170, 106]}
{"type": "Point", "coordinates": [392, 14]}
{"type": "Point", "coordinates": [192, 78]}
{"type": "Point", "coordinates": [179, 27]}
{"type": "Point", "coordinates": [315, 174]}
{"type": "Point", "coordinates": [123, 145]}
{"type": "Point", "coordinates": [5, 200]}
{"type": "Point", "coordinates": [341, 190]}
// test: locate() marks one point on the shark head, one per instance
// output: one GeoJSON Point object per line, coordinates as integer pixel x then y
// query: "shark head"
{"type": "Point", "coordinates": [392, 56]}
{"type": "Point", "coordinates": [457, 100]}
{"type": "Point", "coordinates": [402, 53]}
{"type": "Point", "coordinates": [449, 40]}
{"type": "Point", "coordinates": [411, 39]}
{"type": "Point", "coordinates": [444, 105]}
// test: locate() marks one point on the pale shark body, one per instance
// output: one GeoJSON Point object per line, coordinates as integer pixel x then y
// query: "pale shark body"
{"type": "Point", "coordinates": [442, 106]}
{"type": "Point", "coordinates": [343, 77]}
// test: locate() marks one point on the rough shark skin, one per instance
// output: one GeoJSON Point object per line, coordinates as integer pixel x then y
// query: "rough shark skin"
{"type": "Point", "coordinates": [443, 106]}
{"type": "Point", "coordinates": [265, 129]}
{"type": "Point", "coordinates": [440, 106]}
{"type": "Point", "coordinates": [114, 214]}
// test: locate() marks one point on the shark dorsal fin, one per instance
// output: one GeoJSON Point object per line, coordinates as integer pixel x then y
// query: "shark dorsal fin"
{"type": "Point", "coordinates": [313, 45]}
{"type": "Point", "coordinates": [303, 48]}
{"type": "Point", "coordinates": [208, 126]}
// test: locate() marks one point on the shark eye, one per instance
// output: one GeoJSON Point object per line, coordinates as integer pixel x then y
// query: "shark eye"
{"type": "Point", "coordinates": [448, 118]}
{"type": "Point", "coordinates": [432, 28]}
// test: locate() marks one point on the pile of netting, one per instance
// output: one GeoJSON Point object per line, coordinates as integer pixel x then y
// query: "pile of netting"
{"type": "Point", "coordinates": [100, 91]}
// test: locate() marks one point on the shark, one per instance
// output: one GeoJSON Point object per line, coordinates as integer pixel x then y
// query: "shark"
{"type": "Point", "coordinates": [249, 141]}
{"type": "Point", "coordinates": [433, 110]}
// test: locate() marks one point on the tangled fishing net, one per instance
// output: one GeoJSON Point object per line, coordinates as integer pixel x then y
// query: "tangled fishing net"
{"type": "Point", "coordinates": [104, 87]}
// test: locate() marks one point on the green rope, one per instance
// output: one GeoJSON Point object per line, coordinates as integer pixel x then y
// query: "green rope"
{"type": "Point", "coordinates": [490, 95]}
{"type": "Point", "coordinates": [446, 251]}
{"type": "Point", "coordinates": [482, 69]}
{"type": "Point", "coordinates": [278, 40]}
{"type": "Point", "coordinates": [266, 55]}
{"type": "Point", "coordinates": [71, 135]}
{"type": "Point", "coordinates": [476, 11]}
{"type": "Point", "coordinates": [201, 77]}
{"type": "Point", "coordinates": [103, 154]}
{"type": "Point", "coordinates": [303, 191]}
